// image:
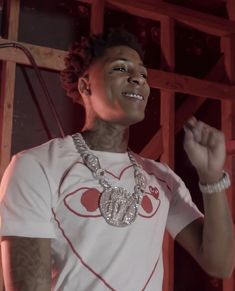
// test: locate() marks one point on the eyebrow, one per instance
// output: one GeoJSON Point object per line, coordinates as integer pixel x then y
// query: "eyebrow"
{"type": "Point", "coordinates": [126, 60]}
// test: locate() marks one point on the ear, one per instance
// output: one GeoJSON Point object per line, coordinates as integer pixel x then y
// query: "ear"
{"type": "Point", "coordinates": [84, 86]}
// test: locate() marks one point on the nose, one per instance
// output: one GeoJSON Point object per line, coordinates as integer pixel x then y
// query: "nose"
{"type": "Point", "coordinates": [136, 79]}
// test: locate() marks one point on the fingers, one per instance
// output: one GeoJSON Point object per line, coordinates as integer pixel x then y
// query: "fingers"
{"type": "Point", "coordinates": [190, 124]}
{"type": "Point", "coordinates": [195, 131]}
{"type": "Point", "coordinates": [202, 133]}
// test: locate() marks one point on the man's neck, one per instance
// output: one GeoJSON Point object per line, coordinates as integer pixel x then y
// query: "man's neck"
{"type": "Point", "coordinates": [107, 137]}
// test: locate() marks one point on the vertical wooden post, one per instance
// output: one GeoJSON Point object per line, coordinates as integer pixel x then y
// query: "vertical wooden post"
{"type": "Point", "coordinates": [97, 17]}
{"type": "Point", "coordinates": [231, 9]}
{"type": "Point", "coordinates": [167, 124]}
{"type": "Point", "coordinates": [12, 10]}
{"type": "Point", "coordinates": [7, 85]}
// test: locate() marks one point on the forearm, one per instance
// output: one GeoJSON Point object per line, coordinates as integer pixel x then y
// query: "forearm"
{"type": "Point", "coordinates": [218, 249]}
{"type": "Point", "coordinates": [212, 242]}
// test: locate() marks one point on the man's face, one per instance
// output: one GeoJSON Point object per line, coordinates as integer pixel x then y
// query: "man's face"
{"type": "Point", "coordinates": [118, 86]}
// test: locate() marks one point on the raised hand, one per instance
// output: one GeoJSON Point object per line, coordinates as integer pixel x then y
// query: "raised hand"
{"type": "Point", "coordinates": [205, 147]}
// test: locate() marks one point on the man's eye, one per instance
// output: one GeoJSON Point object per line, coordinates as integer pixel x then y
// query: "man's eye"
{"type": "Point", "coordinates": [144, 76]}
{"type": "Point", "coordinates": [121, 69]}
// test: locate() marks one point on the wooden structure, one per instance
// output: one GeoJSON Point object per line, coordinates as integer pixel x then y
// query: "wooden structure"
{"type": "Point", "coordinates": [198, 90]}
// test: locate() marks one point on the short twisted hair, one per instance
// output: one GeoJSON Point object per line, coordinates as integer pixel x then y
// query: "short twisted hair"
{"type": "Point", "coordinates": [82, 54]}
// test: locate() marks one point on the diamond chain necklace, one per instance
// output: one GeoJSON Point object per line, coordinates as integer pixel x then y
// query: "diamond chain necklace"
{"type": "Point", "coordinates": [117, 205]}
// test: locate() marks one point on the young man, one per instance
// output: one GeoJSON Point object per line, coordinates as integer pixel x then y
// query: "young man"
{"type": "Point", "coordinates": [85, 213]}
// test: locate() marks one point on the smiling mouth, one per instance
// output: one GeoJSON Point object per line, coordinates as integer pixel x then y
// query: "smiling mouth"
{"type": "Point", "coordinates": [133, 96]}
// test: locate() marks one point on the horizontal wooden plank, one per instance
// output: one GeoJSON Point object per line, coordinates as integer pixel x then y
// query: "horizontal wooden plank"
{"type": "Point", "coordinates": [45, 57]}
{"type": "Point", "coordinates": [186, 110]}
{"type": "Point", "coordinates": [207, 23]}
{"type": "Point", "coordinates": [189, 85]}
{"type": "Point", "coordinates": [192, 103]}
{"type": "Point", "coordinates": [154, 148]}
{"type": "Point", "coordinates": [53, 59]}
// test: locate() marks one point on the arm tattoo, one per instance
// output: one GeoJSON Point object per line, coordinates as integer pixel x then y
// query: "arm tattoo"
{"type": "Point", "coordinates": [30, 265]}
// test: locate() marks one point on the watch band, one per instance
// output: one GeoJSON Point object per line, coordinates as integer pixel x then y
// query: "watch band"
{"type": "Point", "coordinates": [221, 185]}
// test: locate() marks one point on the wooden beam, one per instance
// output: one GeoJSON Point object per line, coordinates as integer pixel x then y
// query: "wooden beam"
{"type": "Point", "coordinates": [154, 148]}
{"type": "Point", "coordinates": [167, 96]}
{"type": "Point", "coordinates": [189, 85]}
{"type": "Point", "coordinates": [193, 103]}
{"type": "Point", "coordinates": [201, 21]}
{"type": "Point", "coordinates": [168, 136]}
{"type": "Point", "coordinates": [47, 58]}
{"type": "Point", "coordinates": [97, 16]}
{"type": "Point", "coordinates": [231, 9]}
{"type": "Point", "coordinates": [53, 59]}
{"type": "Point", "coordinates": [10, 28]}
{"type": "Point", "coordinates": [185, 111]}
{"type": "Point", "coordinates": [231, 147]}
{"type": "Point", "coordinates": [229, 42]}
{"type": "Point", "coordinates": [7, 86]}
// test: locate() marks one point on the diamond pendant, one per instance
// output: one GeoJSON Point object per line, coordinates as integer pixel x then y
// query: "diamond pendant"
{"type": "Point", "coordinates": [118, 206]}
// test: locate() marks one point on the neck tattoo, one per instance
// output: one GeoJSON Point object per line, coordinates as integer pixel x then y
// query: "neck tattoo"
{"type": "Point", "coordinates": [117, 205]}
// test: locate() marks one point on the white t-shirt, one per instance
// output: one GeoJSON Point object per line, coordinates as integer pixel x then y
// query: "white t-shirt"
{"type": "Point", "coordinates": [48, 192]}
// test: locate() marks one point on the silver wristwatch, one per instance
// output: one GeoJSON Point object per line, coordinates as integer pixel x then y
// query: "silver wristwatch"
{"type": "Point", "coordinates": [217, 187]}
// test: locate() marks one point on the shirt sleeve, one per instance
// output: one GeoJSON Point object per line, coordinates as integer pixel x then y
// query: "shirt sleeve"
{"type": "Point", "coordinates": [182, 210]}
{"type": "Point", "coordinates": [26, 200]}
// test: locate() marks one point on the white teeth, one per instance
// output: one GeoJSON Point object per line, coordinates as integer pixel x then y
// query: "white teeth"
{"type": "Point", "coordinates": [133, 95]}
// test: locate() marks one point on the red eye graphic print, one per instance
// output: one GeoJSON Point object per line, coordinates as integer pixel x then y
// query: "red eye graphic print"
{"type": "Point", "coordinates": [150, 203]}
{"type": "Point", "coordinates": [83, 201]}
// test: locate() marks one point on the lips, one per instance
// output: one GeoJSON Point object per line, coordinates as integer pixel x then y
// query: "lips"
{"type": "Point", "coordinates": [133, 96]}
